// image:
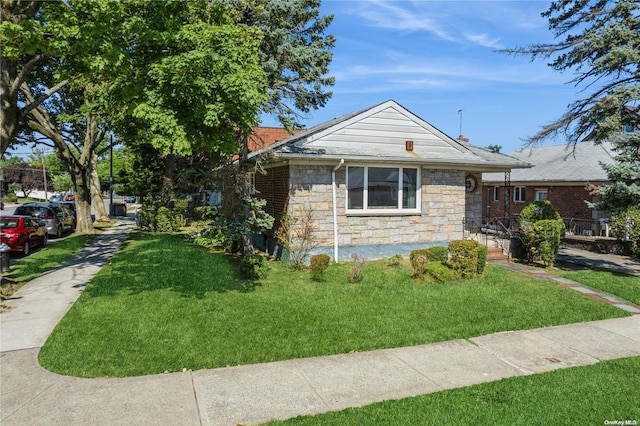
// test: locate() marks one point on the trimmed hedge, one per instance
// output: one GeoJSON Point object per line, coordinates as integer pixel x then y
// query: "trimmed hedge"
{"type": "Point", "coordinates": [318, 264]}
{"type": "Point", "coordinates": [464, 257]}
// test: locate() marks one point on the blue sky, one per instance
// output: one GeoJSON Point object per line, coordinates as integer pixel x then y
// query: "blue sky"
{"type": "Point", "coordinates": [437, 57]}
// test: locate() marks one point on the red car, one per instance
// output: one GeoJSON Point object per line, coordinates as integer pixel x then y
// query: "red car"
{"type": "Point", "coordinates": [22, 233]}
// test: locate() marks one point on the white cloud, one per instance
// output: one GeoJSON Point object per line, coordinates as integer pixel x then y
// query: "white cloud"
{"type": "Point", "coordinates": [484, 40]}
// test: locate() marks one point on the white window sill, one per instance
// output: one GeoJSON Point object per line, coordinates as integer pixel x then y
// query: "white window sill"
{"type": "Point", "coordinates": [383, 213]}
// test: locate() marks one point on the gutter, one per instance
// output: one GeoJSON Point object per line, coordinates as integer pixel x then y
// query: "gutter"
{"type": "Point", "coordinates": [335, 210]}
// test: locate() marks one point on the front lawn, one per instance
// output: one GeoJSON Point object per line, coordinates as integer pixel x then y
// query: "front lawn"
{"type": "Point", "coordinates": [164, 304]}
{"type": "Point", "coordinates": [591, 395]}
{"type": "Point", "coordinates": [625, 286]}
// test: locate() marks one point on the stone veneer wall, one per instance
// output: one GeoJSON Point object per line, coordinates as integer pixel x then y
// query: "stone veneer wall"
{"type": "Point", "coordinates": [443, 209]}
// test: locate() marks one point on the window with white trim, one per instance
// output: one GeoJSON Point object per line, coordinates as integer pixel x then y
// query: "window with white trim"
{"type": "Point", "coordinates": [519, 194]}
{"type": "Point", "coordinates": [378, 189]}
{"type": "Point", "coordinates": [496, 193]}
{"type": "Point", "coordinates": [541, 194]}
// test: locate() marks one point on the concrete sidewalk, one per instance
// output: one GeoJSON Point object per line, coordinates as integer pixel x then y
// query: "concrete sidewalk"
{"type": "Point", "coordinates": [257, 393]}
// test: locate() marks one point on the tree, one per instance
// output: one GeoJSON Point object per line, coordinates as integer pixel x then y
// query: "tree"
{"type": "Point", "coordinates": [295, 54]}
{"type": "Point", "coordinates": [600, 41]}
{"type": "Point", "coordinates": [180, 76]}
{"type": "Point", "coordinates": [495, 148]}
{"type": "Point", "coordinates": [26, 176]}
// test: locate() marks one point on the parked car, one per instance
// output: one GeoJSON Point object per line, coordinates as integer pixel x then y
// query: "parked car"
{"type": "Point", "coordinates": [71, 207]}
{"type": "Point", "coordinates": [58, 220]}
{"type": "Point", "coordinates": [69, 197]}
{"type": "Point", "coordinates": [129, 199]}
{"type": "Point", "coordinates": [55, 198]}
{"type": "Point", "coordinates": [22, 233]}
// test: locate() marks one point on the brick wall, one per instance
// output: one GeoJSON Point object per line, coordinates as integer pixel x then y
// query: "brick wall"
{"type": "Point", "coordinates": [273, 186]}
{"type": "Point", "coordinates": [568, 200]}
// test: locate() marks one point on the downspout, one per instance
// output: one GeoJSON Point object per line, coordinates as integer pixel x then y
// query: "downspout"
{"type": "Point", "coordinates": [335, 210]}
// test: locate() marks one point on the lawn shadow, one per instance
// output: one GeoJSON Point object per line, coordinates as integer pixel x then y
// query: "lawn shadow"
{"type": "Point", "coordinates": [156, 262]}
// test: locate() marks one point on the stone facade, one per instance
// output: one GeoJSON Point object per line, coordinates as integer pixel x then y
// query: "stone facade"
{"type": "Point", "coordinates": [444, 207]}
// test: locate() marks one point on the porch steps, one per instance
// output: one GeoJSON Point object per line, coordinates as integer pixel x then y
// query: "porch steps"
{"type": "Point", "coordinates": [495, 253]}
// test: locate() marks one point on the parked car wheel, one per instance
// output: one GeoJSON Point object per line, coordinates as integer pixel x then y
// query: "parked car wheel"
{"type": "Point", "coordinates": [26, 249]}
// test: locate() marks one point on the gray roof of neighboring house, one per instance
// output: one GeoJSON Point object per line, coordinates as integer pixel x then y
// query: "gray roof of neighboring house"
{"type": "Point", "coordinates": [560, 163]}
{"type": "Point", "coordinates": [378, 134]}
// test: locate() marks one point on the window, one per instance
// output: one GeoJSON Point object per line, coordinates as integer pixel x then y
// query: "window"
{"type": "Point", "coordinates": [383, 189]}
{"type": "Point", "coordinates": [496, 193]}
{"type": "Point", "coordinates": [519, 194]}
{"type": "Point", "coordinates": [541, 194]}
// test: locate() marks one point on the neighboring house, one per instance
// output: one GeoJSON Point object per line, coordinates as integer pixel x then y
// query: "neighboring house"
{"type": "Point", "coordinates": [379, 181]}
{"type": "Point", "coordinates": [561, 174]}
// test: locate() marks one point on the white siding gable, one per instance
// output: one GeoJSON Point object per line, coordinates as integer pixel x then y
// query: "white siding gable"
{"type": "Point", "coordinates": [382, 132]}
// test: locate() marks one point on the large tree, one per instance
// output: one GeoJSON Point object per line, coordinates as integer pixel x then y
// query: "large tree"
{"type": "Point", "coordinates": [599, 41]}
{"type": "Point", "coordinates": [179, 76]}
{"type": "Point", "coordinates": [295, 54]}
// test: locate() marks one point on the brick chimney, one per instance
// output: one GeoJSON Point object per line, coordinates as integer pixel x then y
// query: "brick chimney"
{"type": "Point", "coordinates": [463, 139]}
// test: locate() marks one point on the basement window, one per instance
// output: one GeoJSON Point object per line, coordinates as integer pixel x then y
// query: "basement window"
{"type": "Point", "coordinates": [374, 189]}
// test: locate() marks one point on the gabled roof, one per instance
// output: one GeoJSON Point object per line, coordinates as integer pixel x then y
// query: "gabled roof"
{"type": "Point", "coordinates": [378, 134]}
{"type": "Point", "coordinates": [560, 164]}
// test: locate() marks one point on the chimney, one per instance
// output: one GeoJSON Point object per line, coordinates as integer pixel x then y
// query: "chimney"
{"type": "Point", "coordinates": [408, 145]}
{"type": "Point", "coordinates": [463, 139]}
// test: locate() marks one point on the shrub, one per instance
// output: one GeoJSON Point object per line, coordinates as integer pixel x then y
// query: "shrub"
{"type": "Point", "coordinates": [541, 230]}
{"type": "Point", "coordinates": [441, 272]}
{"type": "Point", "coordinates": [439, 253]}
{"type": "Point", "coordinates": [318, 264]}
{"type": "Point", "coordinates": [419, 260]}
{"type": "Point", "coordinates": [296, 234]}
{"type": "Point", "coordinates": [356, 266]}
{"type": "Point", "coordinates": [464, 257]}
{"type": "Point", "coordinates": [167, 220]}
{"type": "Point", "coordinates": [626, 225]}
{"type": "Point", "coordinates": [254, 266]}
{"type": "Point", "coordinates": [395, 260]}
{"type": "Point", "coordinates": [211, 236]}
{"type": "Point", "coordinates": [482, 258]}
{"type": "Point", "coordinates": [208, 213]}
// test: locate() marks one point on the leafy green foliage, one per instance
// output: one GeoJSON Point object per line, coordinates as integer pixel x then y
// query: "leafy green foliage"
{"type": "Point", "coordinates": [463, 259]}
{"type": "Point", "coordinates": [395, 260]}
{"type": "Point", "coordinates": [438, 253]}
{"type": "Point", "coordinates": [419, 260]}
{"type": "Point", "coordinates": [442, 272]}
{"type": "Point", "coordinates": [542, 230]}
{"type": "Point", "coordinates": [318, 264]}
{"type": "Point", "coordinates": [296, 234]}
{"type": "Point", "coordinates": [626, 224]}
{"type": "Point", "coordinates": [257, 221]}
{"type": "Point", "coordinates": [598, 41]}
{"type": "Point", "coordinates": [254, 266]}
{"type": "Point", "coordinates": [482, 258]}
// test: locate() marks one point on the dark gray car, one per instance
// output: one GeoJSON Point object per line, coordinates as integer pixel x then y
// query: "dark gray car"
{"type": "Point", "coordinates": [57, 219]}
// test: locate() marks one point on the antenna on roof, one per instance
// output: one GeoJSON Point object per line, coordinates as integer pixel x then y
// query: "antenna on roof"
{"type": "Point", "coordinates": [461, 138]}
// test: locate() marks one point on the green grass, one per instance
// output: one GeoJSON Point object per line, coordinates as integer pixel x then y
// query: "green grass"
{"type": "Point", "coordinates": [165, 304]}
{"type": "Point", "coordinates": [625, 286]}
{"type": "Point", "coordinates": [580, 395]}
{"type": "Point", "coordinates": [43, 260]}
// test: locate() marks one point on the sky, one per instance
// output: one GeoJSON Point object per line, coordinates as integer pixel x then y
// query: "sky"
{"type": "Point", "coordinates": [438, 57]}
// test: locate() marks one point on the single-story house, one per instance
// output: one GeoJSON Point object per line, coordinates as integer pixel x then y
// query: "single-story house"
{"type": "Point", "coordinates": [379, 181]}
{"type": "Point", "coordinates": [563, 174]}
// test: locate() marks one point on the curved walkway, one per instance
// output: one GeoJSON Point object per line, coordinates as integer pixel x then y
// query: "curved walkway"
{"type": "Point", "coordinates": [256, 393]}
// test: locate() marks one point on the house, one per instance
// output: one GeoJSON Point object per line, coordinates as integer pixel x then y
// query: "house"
{"type": "Point", "coordinates": [563, 174]}
{"type": "Point", "coordinates": [379, 181]}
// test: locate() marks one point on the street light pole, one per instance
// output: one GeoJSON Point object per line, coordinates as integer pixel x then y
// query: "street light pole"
{"type": "Point", "coordinates": [111, 176]}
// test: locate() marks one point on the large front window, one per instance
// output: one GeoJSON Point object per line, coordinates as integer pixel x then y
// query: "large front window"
{"type": "Point", "coordinates": [381, 189]}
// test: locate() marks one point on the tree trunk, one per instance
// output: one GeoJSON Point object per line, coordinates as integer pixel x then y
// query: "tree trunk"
{"type": "Point", "coordinates": [167, 179]}
{"type": "Point", "coordinates": [244, 186]}
{"type": "Point", "coordinates": [96, 194]}
{"type": "Point", "coordinates": [83, 203]}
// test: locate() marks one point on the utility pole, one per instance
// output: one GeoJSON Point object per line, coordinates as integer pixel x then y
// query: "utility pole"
{"type": "Point", "coordinates": [44, 176]}
{"type": "Point", "coordinates": [111, 212]}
